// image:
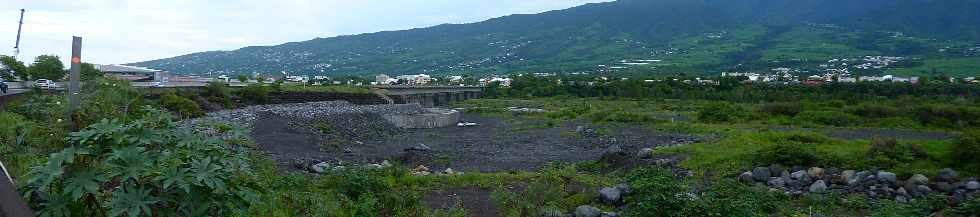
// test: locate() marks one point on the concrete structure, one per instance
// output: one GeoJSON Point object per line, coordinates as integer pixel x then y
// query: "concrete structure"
{"type": "Point", "coordinates": [134, 72]}
{"type": "Point", "coordinates": [434, 118]}
{"type": "Point", "coordinates": [430, 96]}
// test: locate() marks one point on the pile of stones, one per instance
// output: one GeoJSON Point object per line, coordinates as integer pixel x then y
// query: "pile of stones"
{"type": "Point", "coordinates": [875, 184]}
{"type": "Point", "coordinates": [612, 196]}
{"type": "Point", "coordinates": [303, 111]}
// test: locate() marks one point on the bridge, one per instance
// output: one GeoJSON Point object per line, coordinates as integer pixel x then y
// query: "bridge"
{"type": "Point", "coordinates": [429, 96]}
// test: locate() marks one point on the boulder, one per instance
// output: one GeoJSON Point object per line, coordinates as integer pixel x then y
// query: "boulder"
{"type": "Point", "coordinates": [587, 211]}
{"type": "Point", "coordinates": [614, 149]}
{"type": "Point", "coordinates": [645, 153]}
{"type": "Point", "coordinates": [945, 187]}
{"type": "Point", "coordinates": [887, 177]}
{"type": "Point", "coordinates": [625, 188]}
{"type": "Point", "coordinates": [818, 187]}
{"type": "Point", "coordinates": [609, 214]}
{"type": "Point", "coordinates": [319, 168]}
{"type": "Point", "coordinates": [761, 174]}
{"type": "Point", "coordinates": [798, 175]}
{"type": "Point", "coordinates": [815, 172]}
{"type": "Point", "coordinates": [947, 175]}
{"type": "Point", "coordinates": [972, 185]}
{"type": "Point", "coordinates": [776, 182]}
{"type": "Point", "coordinates": [923, 190]}
{"type": "Point", "coordinates": [611, 196]}
{"type": "Point", "coordinates": [776, 169]}
{"type": "Point", "coordinates": [420, 147]}
{"type": "Point", "coordinates": [746, 177]}
{"type": "Point", "coordinates": [847, 176]}
{"type": "Point", "coordinates": [552, 213]}
{"type": "Point", "coordinates": [918, 179]}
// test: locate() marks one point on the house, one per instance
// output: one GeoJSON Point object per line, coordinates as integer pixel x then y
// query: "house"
{"type": "Point", "coordinates": [504, 82]}
{"type": "Point", "coordinates": [814, 80]}
{"type": "Point", "coordinates": [420, 79]}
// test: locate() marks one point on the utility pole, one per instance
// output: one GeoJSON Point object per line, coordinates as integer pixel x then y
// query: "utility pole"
{"type": "Point", "coordinates": [20, 24]}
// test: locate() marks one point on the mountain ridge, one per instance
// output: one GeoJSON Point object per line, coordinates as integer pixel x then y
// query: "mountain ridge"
{"type": "Point", "coordinates": [582, 38]}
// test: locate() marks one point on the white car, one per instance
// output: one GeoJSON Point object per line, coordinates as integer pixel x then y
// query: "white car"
{"type": "Point", "coordinates": [45, 84]}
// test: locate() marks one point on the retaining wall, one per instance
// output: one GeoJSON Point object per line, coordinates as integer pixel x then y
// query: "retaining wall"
{"type": "Point", "coordinates": [434, 118]}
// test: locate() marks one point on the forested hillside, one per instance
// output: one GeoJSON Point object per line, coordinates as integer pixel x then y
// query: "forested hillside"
{"type": "Point", "coordinates": [672, 36]}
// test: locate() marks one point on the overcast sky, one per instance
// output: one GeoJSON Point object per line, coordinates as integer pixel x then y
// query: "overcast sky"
{"type": "Point", "coordinates": [125, 31]}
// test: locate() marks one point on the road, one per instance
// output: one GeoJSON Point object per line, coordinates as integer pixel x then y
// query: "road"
{"type": "Point", "coordinates": [14, 91]}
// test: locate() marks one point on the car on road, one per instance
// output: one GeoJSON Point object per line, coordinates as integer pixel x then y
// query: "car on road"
{"type": "Point", "coordinates": [45, 84]}
{"type": "Point", "coordinates": [3, 86]}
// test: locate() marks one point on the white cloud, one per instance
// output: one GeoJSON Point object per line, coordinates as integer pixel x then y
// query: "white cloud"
{"type": "Point", "coordinates": [122, 31]}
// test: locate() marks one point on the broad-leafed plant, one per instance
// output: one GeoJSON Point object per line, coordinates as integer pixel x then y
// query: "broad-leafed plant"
{"type": "Point", "coordinates": [148, 167]}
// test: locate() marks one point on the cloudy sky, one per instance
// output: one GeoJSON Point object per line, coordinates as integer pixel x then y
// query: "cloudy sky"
{"type": "Point", "coordinates": [124, 31]}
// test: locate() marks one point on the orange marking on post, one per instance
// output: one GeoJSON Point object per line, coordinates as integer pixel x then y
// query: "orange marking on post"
{"type": "Point", "coordinates": [76, 60]}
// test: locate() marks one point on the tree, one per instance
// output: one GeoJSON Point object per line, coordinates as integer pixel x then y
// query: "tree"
{"type": "Point", "coordinates": [11, 68]}
{"type": "Point", "coordinates": [242, 78]}
{"type": "Point", "coordinates": [89, 72]}
{"type": "Point", "coordinates": [47, 67]}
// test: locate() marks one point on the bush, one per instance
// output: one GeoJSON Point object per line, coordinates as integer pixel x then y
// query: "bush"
{"type": "Point", "coordinates": [145, 168]}
{"type": "Point", "coordinates": [182, 106]}
{"type": "Point", "coordinates": [948, 116]}
{"type": "Point", "coordinates": [868, 110]}
{"type": "Point", "coordinates": [218, 92]}
{"type": "Point", "coordinates": [721, 112]}
{"type": "Point", "coordinates": [657, 193]}
{"type": "Point", "coordinates": [888, 152]}
{"type": "Point", "coordinates": [790, 153]}
{"type": "Point", "coordinates": [785, 109]}
{"type": "Point", "coordinates": [255, 94]}
{"type": "Point", "coordinates": [966, 150]}
{"type": "Point", "coordinates": [620, 117]}
{"type": "Point", "coordinates": [829, 118]}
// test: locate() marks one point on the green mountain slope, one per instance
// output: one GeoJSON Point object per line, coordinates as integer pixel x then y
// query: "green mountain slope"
{"type": "Point", "coordinates": [703, 36]}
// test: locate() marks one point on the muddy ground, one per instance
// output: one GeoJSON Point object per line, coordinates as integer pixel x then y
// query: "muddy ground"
{"type": "Point", "coordinates": [495, 145]}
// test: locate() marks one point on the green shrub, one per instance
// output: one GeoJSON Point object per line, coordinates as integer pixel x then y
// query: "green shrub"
{"type": "Point", "coordinates": [790, 153]}
{"type": "Point", "coordinates": [829, 118]}
{"type": "Point", "coordinates": [721, 112]}
{"type": "Point", "coordinates": [948, 116]}
{"type": "Point", "coordinates": [888, 152]}
{"type": "Point", "coordinates": [182, 106]}
{"type": "Point", "coordinates": [965, 151]}
{"type": "Point", "coordinates": [869, 110]}
{"type": "Point", "coordinates": [784, 109]}
{"type": "Point", "coordinates": [620, 117]}
{"type": "Point", "coordinates": [218, 92]}
{"type": "Point", "coordinates": [657, 193]}
{"type": "Point", "coordinates": [255, 94]}
{"type": "Point", "coordinates": [145, 168]}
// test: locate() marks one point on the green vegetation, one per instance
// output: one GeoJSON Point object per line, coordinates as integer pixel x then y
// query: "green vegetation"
{"type": "Point", "coordinates": [47, 67]}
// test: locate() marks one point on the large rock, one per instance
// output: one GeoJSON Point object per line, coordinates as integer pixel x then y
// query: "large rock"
{"type": "Point", "coordinates": [918, 179]}
{"type": "Point", "coordinates": [553, 213]}
{"type": "Point", "coordinates": [815, 172]}
{"type": "Point", "coordinates": [761, 174]}
{"type": "Point", "coordinates": [847, 176]}
{"type": "Point", "coordinates": [746, 177]}
{"type": "Point", "coordinates": [798, 175]}
{"type": "Point", "coordinates": [776, 169]}
{"type": "Point", "coordinates": [776, 182]}
{"type": "Point", "coordinates": [587, 211]}
{"type": "Point", "coordinates": [972, 185]}
{"type": "Point", "coordinates": [945, 187]}
{"type": "Point", "coordinates": [609, 214]}
{"type": "Point", "coordinates": [611, 196]}
{"type": "Point", "coordinates": [947, 175]}
{"type": "Point", "coordinates": [645, 153]}
{"type": "Point", "coordinates": [818, 187]}
{"type": "Point", "coordinates": [887, 177]}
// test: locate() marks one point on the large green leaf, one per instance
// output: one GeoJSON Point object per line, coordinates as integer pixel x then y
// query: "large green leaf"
{"type": "Point", "coordinates": [83, 182]}
{"type": "Point", "coordinates": [128, 163]}
{"type": "Point", "coordinates": [132, 202]}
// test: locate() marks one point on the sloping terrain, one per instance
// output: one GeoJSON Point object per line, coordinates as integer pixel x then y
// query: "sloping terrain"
{"type": "Point", "coordinates": [688, 35]}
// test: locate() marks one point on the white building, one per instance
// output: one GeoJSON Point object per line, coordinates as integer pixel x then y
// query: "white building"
{"type": "Point", "coordinates": [420, 79]}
